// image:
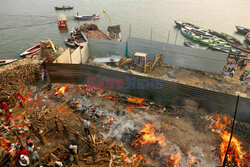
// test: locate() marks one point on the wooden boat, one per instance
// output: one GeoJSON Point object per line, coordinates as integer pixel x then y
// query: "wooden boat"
{"type": "Point", "coordinates": [93, 17]}
{"type": "Point", "coordinates": [190, 34]}
{"type": "Point", "coordinates": [247, 38]}
{"type": "Point", "coordinates": [188, 43]}
{"type": "Point", "coordinates": [80, 39]}
{"type": "Point", "coordinates": [242, 30]}
{"type": "Point", "coordinates": [62, 21]}
{"type": "Point", "coordinates": [230, 39]}
{"type": "Point", "coordinates": [31, 50]}
{"type": "Point", "coordinates": [180, 24]}
{"type": "Point", "coordinates": [198, 32]}
{"type": "Point", "coordinates": [70, 42]}
{"type": "Point", "coordinates": [216, 33]}
{"type": "Point", "coordinates": [223, 46]}
{"type": "Point", "coordinates": [92, 31]}
{"type": "Point", "coordinates": [63, 7]}
{"type": "Point", "coordinates": [240, 47]}
{"type": "Point", "coordinates": [114, 32]}
{"type": "Point", "coordinates": [7, 61]}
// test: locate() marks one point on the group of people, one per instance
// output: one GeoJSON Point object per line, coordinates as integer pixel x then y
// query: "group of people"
{"type": "Point", "coordinates": [230, 68]}
{"type": "Point", "coordinates": [5, 110]}
{"type": "Point", "coordinates": [24, 155]}
{"type": "Point", "coordinates": [21, 155]}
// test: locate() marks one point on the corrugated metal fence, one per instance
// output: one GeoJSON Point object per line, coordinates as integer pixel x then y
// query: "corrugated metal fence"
{"type": "Point", "coordinates": [193, 58]}
{"type": "Point", "coordinates": [154, 89]}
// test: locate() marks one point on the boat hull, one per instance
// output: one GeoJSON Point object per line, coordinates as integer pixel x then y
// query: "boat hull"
{"type": "Point", "coordinates": [242, 30]}
{"type": "Point", "coordinates": [64, 8]}
{"type": "Point", "coordinates": [7, 61]}
{"type": "Point", "coordinates": [86, 17]}
{"type": "Point", "coordinates": [31, 50]}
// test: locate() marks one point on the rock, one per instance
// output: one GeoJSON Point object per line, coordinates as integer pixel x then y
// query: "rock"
{"type": "Point", "coordinates": [171, 74]}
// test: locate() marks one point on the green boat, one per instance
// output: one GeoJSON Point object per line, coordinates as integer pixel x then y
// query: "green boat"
{"type": "Point", "coordinates": [207, 41]}
{"type": "Point", "coordinates": [220, 45]}
{"type": "Point", "coordinates": [190, 34]}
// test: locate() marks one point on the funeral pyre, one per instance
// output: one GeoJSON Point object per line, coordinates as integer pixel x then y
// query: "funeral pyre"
{"type": "Point", "coordinates": [125, 131]}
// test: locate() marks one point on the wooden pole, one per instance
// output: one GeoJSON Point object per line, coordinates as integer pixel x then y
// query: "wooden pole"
{"type": "Point", "coordinates": [151, 36]}
{"type": "Point", "coordinates": [176, 37]}
{"type": "Point", "coordinates": [130, 30]}
{"type": "Point", "coordinates": [168, 35]}
{"type": "Point", "coordinates": [235, 113]}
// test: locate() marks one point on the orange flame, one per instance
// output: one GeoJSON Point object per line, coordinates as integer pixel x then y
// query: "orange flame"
{"type": "Point", "coordinates": [191, 159]}
{"type": "Point", "coordinates": [221, 123]}
{"type": "Point", "coordinates": [174, 160]}
{"type": "Point", "coordinates": [147, 135]}
{"type": "Point", "coordinates": [110, 120]}
{"type": "Point", "coordinates": [236, 154]}
{"type": "Point", "coordinates": [62, 90]}
{"type": "Point", "coordinates": [135, 100]}
{"type": "Point", "coordinates": [111, 98]}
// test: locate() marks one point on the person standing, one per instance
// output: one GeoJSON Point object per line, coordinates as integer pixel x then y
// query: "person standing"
{"type": "Point", "coordinates": [86, 125]}
{"type": "Point", "coordinates": [230, 67]}
{"type": "Point", "coordinates": [73, 157]}
{"type": "Point", "coordinates": [232, 72]}
{"type": "Point", "coordinates": [241, 79]}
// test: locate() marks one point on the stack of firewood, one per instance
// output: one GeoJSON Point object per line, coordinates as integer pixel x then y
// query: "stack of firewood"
{"type": "Point", "coordinates": [14, 80]}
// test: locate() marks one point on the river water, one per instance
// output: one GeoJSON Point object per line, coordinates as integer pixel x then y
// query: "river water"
{"type": "Point", "coordinates": [26, 22]}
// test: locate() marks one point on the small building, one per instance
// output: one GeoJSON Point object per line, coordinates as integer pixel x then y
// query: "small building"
{"type": "Point", "coordinates": [62, 21]}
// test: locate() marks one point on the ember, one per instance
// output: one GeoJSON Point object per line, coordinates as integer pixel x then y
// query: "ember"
{"type": "Point", "coordinates": [62, 90]}
{"type": "Point", "coordinates": [135, 100]}
{"type": "Point", "coordinates": [174, 160]}
{"type": "Point", "coordinates": [110, 120]}
{"type": "Point", "coordinates": [147, 135]}
{"type": "Point", "coordinates": [191, 159]}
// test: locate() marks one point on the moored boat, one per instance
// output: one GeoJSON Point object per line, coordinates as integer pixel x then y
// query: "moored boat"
{"type": "Point", "coordinates": [230, 39]}
{"type": "Point", "coordinates": [30, 50]}
{"type": "Point", "coordinates": [63, 7]}
{"type": "Point", "coordinates": [79, 38]}
{"type": "Point", "coordinates": [62, 21]}
{"type": "Point", "coordinates": [70, 42]}
{"type": "Point", "coordinates": [240, 48]}
{"type": "Point", "coordinates": [114, 32]}
{"type": "Point", "coordinates": [242, 30]}
{"type": "Point", "coordinates": [247, 38]}
{"type": "Point", "coordinates": [220, 45]}
{"type": "Point", "coordinates": [216, 33]}
{"type": "Point", "coordinates": [188, 43]}
{"type": "Point", "coordinates": [190, 34]}
{"type": "Point", "coordinates": [93, 17]}
{"type": "Point", "coordinates": [7, 61]}
{"type": "Point", "coordinates": [198, 32]}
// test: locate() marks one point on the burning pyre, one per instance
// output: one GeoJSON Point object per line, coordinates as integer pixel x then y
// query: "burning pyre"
{"type": "Point", "coordinates": [236, 156]}
{"type": "Point", "coordinates": [147, 135]}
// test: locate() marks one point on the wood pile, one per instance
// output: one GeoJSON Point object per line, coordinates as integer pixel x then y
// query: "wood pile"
{"type": "Point", "coordinates": [15, 78]}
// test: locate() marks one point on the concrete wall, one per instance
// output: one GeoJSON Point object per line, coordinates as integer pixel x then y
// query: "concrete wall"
{"type": "Point", "coordinates": [85, 53]}
{"type": "Point", "coordinates": [77, 57]}
{"type": "Point", "coordinates": [64, 57]}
